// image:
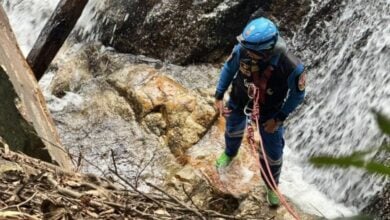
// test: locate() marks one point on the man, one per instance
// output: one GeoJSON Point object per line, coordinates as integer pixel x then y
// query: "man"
{"type": "Point", "coordinates": [261, 59]}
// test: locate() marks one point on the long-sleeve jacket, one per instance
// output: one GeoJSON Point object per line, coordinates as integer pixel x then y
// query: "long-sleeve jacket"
{"type": "Point", "coordinates": [285, 87]}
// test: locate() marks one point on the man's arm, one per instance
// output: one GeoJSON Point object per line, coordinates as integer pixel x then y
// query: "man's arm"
{"type": "Point", "coordinates": [296, 84]}
{"type": "Point", "coordinates": [228, 71]}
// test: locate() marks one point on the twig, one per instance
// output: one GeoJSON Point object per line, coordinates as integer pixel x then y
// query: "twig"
{"type": "Point", "coordinates": [217, 214]}
{"type": "Point", "coordinates": [20, 204]}
{"type": "Point", "coordinates": [3, 203]}
{"type": "Point", "coordinates": [26, 160]}
{"type": "Point", "coordinates": [51, 143]}
{"type": "Point", "coordinates": [135, 189]}
{"type": "Point", "coordinates": [107, 212]}
{"type": "Point", "coordinates": [15, 195]}
{"type": "Point", "coordinates": [114, 161]}
{"type": "Point", "coordinates": [19, 215]}
{"type": "Point", "coordinates": [62, 190]}
{"type": "Point", "coordinates": [189, 197]}
{"type": "Point", "coordinates": [92, 214]}
{"type": "Point", "coordinates": [143, 169]}
{"type": "Point", "coordinates": [94, 166]}
{"type": "Point", "coordinates": [114, 205]}
{"type": "Point", "coordinates": [23, 185]}
{"type": "Point", "coordinates": [143, 214]}
{"type": "Point", "coordinates": [79, 160]}
{"type": "Point", "coordinates": [176, 200]}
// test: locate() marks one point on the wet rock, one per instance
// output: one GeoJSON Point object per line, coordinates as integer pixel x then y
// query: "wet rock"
{"type": "Point", "coordinates": [80, 64]}
{"type": "Point", "coordinates": [379, 206]}
{"type": "Point", "coordinates": [75, 77]}
{"type": "Point", "coordinates": [238, 178]}
{"type": "Point", "coordinates": [70, 75]}
{"type": "Point", "coordinates": [232, 191]}
{"type": "Point", "coordinates": [97, 122]}
{"type": "Point", "coordinates": [190, 184]}
{"type": "Point", "coordinates": [156, 123]}
{"type": "Point", "coordinates": [186, 116]}
{"type": "Point", "coordinates": [186, 31]}
{"type": "Point", "coordinates": [105, 102]}
{"type": "Point", "coordinates": [176, 30]}
{"type": "Point", "coordinates": [168, 117]}
{"type": "Point", "coordinates": [127, 104]}
{"type": "Point", "coordinates": [288, 14]}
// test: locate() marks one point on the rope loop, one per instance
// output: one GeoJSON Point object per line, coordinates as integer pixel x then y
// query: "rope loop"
{"type": "Point", "coordinates": [253, 115]}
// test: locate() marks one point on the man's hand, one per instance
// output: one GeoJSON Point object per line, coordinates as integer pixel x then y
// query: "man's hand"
{"type": "Point", "coordinates": [271, 125]}
{"type": "Point", "coordinates": [223, 111]}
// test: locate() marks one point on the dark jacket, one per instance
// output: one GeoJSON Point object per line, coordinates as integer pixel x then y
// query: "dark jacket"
{"type": "Point", "coordinates": [283, 92]}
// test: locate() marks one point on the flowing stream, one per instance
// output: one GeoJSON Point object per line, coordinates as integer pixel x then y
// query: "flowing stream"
{"type": "Point", "coordinates": [349, 63]}
{"type": "Point", "coordinates": [349, 77]}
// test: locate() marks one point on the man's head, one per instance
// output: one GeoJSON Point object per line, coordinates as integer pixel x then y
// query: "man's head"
{"type": "Point", "coordinates": [259, 37]}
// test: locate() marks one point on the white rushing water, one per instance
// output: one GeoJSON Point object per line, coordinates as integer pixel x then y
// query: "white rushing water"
{"type": "Point", "coordinates": [352, 77]}
{"type": "Point", "coordinates": [27, 18]}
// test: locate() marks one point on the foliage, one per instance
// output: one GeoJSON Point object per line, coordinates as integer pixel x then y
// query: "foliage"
{"type": "Point", "coordinates": [358, 159]}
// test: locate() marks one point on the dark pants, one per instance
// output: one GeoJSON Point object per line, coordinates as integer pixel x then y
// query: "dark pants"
{"type": "Point", "coordinates": [273, 142]}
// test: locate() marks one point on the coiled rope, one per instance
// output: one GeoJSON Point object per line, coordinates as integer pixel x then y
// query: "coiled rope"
{"type": "Point", "coordinates": [253, 114]}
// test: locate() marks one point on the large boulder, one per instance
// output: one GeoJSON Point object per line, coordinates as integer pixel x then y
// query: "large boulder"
{"type": "Point", "coordinates": [234, 190]}
{"type": "Point", "coordinates": [180, 116]}
{"type": "Point", "coordinates": [186, 31]}
{"type": "Point", "coordinates": [150, 115]}
{"type": "Point", "coordinates": [97, 122]}
{"type": "Point", "coordinates": [130, 101]}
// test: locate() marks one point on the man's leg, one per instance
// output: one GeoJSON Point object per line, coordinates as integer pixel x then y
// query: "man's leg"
{"type": "Point", "coordinates": [234, 132]}
{"type": "Point", "coordinates": [273, 146]}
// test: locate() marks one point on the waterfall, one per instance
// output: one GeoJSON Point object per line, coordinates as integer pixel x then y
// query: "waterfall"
{"type": "Point", "coordinates": [27, 18]}
{"type": "Point", "coordinates": [347, 54]}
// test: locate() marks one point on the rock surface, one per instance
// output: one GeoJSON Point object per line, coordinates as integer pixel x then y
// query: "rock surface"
{"type": "Point", "coordinates": [118, 105]}
{"type": "Point", "coordinates": [173, 113]}
{"type": "Point", "coordinates": [181, 116]}
{"type": "Point", "coordinates": [186, 31]}
{"type": "Point", "coordinates": [237, 189]}
{"type": "Point", "coordinates": [379, 206]}
{"type": "Point", "coordinates": [158, 119]}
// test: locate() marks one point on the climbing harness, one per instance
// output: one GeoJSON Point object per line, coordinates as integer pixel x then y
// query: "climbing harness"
{"type": "Point", "coordinates": [253, 114]}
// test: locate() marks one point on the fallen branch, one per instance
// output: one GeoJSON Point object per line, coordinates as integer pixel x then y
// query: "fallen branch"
{"type": "Point", "coordinates": [135, 189]}
{"type": "Point", "coordinates": [20, 204]}
{"type": "Point", "coordinates": [196, 212]}
{"type": "Point", "coordinates": [16, 215]}
{"type": "Point", "coordinates": [87, 196]}
{"type": "Point", "coordinates": [189, 197]}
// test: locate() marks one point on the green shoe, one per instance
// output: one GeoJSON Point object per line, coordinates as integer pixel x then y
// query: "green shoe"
{"type": "Point", "coordinates": [272, 198]}
{"type": "Point", "coordinates": [223, 161]}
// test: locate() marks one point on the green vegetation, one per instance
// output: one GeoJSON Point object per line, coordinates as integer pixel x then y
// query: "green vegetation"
{"type": "Point", "coordinates": [359, 159]}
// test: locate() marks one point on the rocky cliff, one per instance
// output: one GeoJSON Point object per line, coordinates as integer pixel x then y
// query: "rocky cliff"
{"type": "Point", "coordinates": [187, 31]}
{"type": "Point", "coordinates": [157, 121]}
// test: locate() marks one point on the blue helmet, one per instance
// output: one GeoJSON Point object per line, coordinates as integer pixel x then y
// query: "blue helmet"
{"type": "Point", "coordinates": [259, 35]}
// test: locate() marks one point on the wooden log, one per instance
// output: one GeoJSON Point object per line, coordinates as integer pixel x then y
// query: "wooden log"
{"type": "Point", "coordinates": [25, 122]}
{"type": "Point", "coordinates": [54, 34]}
